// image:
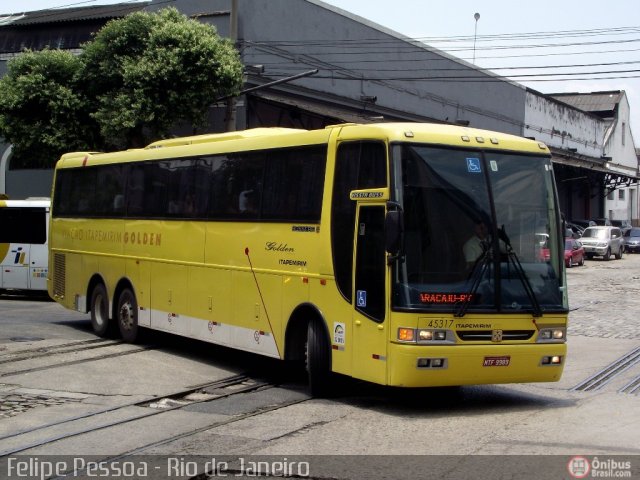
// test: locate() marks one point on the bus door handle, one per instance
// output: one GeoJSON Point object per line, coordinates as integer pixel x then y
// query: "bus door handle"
{"type": "Point", "coordinates": [358, 323]}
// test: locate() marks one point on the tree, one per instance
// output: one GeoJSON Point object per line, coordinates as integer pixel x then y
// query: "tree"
{"type": "Point", "coordinates": [150, 71]}
{"type": "Point", "coordinates": [42, 112]}
{"type": "Point", "coordinates": [139, 77]}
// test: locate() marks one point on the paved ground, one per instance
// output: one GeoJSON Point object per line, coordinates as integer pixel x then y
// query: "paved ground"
{"type": "Point", "coordinates": [554, 419]}
{"type": "Point", "coordinates": [604, 298]}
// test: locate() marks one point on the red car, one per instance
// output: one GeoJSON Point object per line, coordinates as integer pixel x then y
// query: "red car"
{"type": "Point", "coordinates": [573, 252]}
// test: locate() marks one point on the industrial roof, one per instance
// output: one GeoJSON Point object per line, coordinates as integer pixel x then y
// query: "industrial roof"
{"type": "Point", "coordinates": [71, 14]}
{"type": "Point", "coordinates": [595, 102]}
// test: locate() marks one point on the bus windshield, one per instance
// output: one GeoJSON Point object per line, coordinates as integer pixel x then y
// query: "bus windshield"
{"type": "Point", "coordinates": [480, 232]}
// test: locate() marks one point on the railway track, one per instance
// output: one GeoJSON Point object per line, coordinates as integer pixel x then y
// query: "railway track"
{"type": "Point", "coordinates": [72, 347]}
{"type": "Point", "coordinates": [209, 393]}
{"type": "Point", "coordinates": [54, 355]}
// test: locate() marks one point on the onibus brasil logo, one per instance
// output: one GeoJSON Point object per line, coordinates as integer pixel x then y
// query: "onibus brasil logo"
{"type": "Point", "coordinates": [581, 467]}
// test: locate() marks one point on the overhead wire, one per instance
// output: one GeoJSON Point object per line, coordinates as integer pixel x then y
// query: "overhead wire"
{"type": "Point", "coordinates": [419, 51]}
{"type": "Point", "coordinates": [328, 58]}
{"type": "Point", "coordinates": [347, 69]}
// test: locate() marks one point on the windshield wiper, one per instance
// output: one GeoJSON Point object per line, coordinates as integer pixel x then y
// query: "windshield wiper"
{"type": "Point", "coordinates": [482, 263]}
{"type": "Point", "coordinates": [526, 284]}
{"type": "Point", "coordinates": [481, 266]}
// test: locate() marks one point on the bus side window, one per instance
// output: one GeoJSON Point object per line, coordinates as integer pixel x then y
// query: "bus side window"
{"type": "Point", "coordinates": [135, 191]}
{"type": "Point", "coordinates": [23, 225]}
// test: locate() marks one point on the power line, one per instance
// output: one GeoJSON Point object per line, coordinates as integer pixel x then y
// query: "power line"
{"type": "Point", "coordinates": [510, 36]}
{"type": "Point", "coordinates": [365, 48]}
{"type": "Point", "coordinates": [285, 66]}
{"type": "Point", "coordinates": [493, 57]}
{"type": "Point", "coordinates": [551, 77]}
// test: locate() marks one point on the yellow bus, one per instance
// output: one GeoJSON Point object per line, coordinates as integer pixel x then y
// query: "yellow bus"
{"type": "Point", "coordinates": [23, 244]}
{"type": "Point", "coordinates": [350, 248]}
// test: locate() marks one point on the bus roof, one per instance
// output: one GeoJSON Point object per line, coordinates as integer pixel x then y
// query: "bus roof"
{"type": "Point", "coordinates": [443, 134]}
{"type": "Point", "coordinates": [221, 137]}
{"type": "Point", "coordinates": [274, 137]}
{"type": "Point", "coordinates": [29, 202]}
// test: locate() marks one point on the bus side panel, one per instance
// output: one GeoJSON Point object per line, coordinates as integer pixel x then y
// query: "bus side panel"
{"type": "Point", "coordinates": [162, 248]}
{"type": "Point", "coordinates": [259, 323]}
{"type": "Point", "coordinates": [169, 297]}
{"type": "Point", "coordinates": [209, 304]}
{"type": "Point", "coordinates": [76, 283]}
{"type": "Point", "coordinates": [38, 267]}
{"type": "Point", "coordinates": [15, 266]}
{"type": "Point", "coordinates": [337, 313]}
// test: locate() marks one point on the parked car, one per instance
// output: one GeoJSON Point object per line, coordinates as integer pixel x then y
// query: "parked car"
{"type": "Point", "coordinates": [603, 241]}
{"type": "Point", "coordinates": [573, 252]}
{"type": "Point", "coordinates": [623, 225]}
{"type": "Point", "coordinates": [601, 221]}
{"type": "Point", "coordinates": [632, 240]}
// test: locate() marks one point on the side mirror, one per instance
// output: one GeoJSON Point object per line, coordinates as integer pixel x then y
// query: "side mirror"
{"type": "Point", "coordinates": [393, 227]}
{"type": "Point", "coordinates": [394, 230]}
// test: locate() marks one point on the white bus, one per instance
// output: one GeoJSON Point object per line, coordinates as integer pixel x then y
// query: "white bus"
{"type": "Point", "coordinates": [24, 229]}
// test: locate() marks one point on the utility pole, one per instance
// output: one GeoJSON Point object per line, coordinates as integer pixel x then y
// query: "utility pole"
{"type": "Point", "coordinates": [475, 34]}
{"type": "Point", "coordinates": [230, 116]}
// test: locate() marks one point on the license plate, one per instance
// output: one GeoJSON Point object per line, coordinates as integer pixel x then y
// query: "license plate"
{"type": "Point", "coordinates": [496, 361]}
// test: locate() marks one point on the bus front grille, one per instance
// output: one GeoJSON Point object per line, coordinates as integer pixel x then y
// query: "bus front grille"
{"type": "Point", "coordinates": [489, 335]}
{"type": "Point", "coordinates": [59, 275]}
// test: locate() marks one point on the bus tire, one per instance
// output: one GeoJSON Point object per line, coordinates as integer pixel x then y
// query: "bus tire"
{"type": "Point", "coordinates": [127, 315]}
{"type": "Point", "coordinates": [318, 359]}
{"type": "Point", "coordinates": [102, 325]}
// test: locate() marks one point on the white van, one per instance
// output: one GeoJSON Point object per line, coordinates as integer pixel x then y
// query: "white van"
{"type": "Point", "coordinates": [24, 230]}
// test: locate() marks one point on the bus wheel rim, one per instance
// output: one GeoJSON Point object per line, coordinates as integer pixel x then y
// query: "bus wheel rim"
{"type": "Point", "coordinates": [126, 317]}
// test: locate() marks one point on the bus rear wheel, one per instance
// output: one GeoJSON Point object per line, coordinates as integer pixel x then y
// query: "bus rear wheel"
{"type": "Point", "coordinates": [318, 359]}
{"type": "Point", "coordinates": [102, 325]}
{"type": "Point", "coordinates": [127, 313]}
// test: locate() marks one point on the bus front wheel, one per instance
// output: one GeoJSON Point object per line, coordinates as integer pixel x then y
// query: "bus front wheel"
{"type": "Point", "coordinates": [100, 322]}
{"type": "Point", "coordinates": [318, 359]}
{"type": "Point", "coordinates": [128, 316]}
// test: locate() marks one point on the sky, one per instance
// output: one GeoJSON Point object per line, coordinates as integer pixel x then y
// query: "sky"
{"type": "Point", "coordinates": [567, 41]}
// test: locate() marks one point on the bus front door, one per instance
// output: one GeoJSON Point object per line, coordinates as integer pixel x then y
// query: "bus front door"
{"type": "Point", "coordinates": [369, 327]}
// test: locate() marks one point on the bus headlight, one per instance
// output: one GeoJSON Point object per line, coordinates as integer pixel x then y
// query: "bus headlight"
{"type": "Point", "coordinates": [427, 335]}
{"type": "Point", "coordinates": [424, 335]}
{"type": "Point", "coordinates": [552, 335]}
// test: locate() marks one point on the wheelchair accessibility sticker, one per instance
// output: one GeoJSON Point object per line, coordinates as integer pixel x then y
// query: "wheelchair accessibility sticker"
{"type": "Point", "coordinates": [361, 296]}
{"type": "Point", "coordinates": [473, 165]}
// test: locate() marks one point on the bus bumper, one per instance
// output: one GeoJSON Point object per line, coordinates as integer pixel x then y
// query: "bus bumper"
{"type": "Point", "coordinates": [432, 366]}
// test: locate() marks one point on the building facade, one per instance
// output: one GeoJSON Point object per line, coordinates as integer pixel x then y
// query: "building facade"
{"type": "Point", "coordinates": [336, 67]}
